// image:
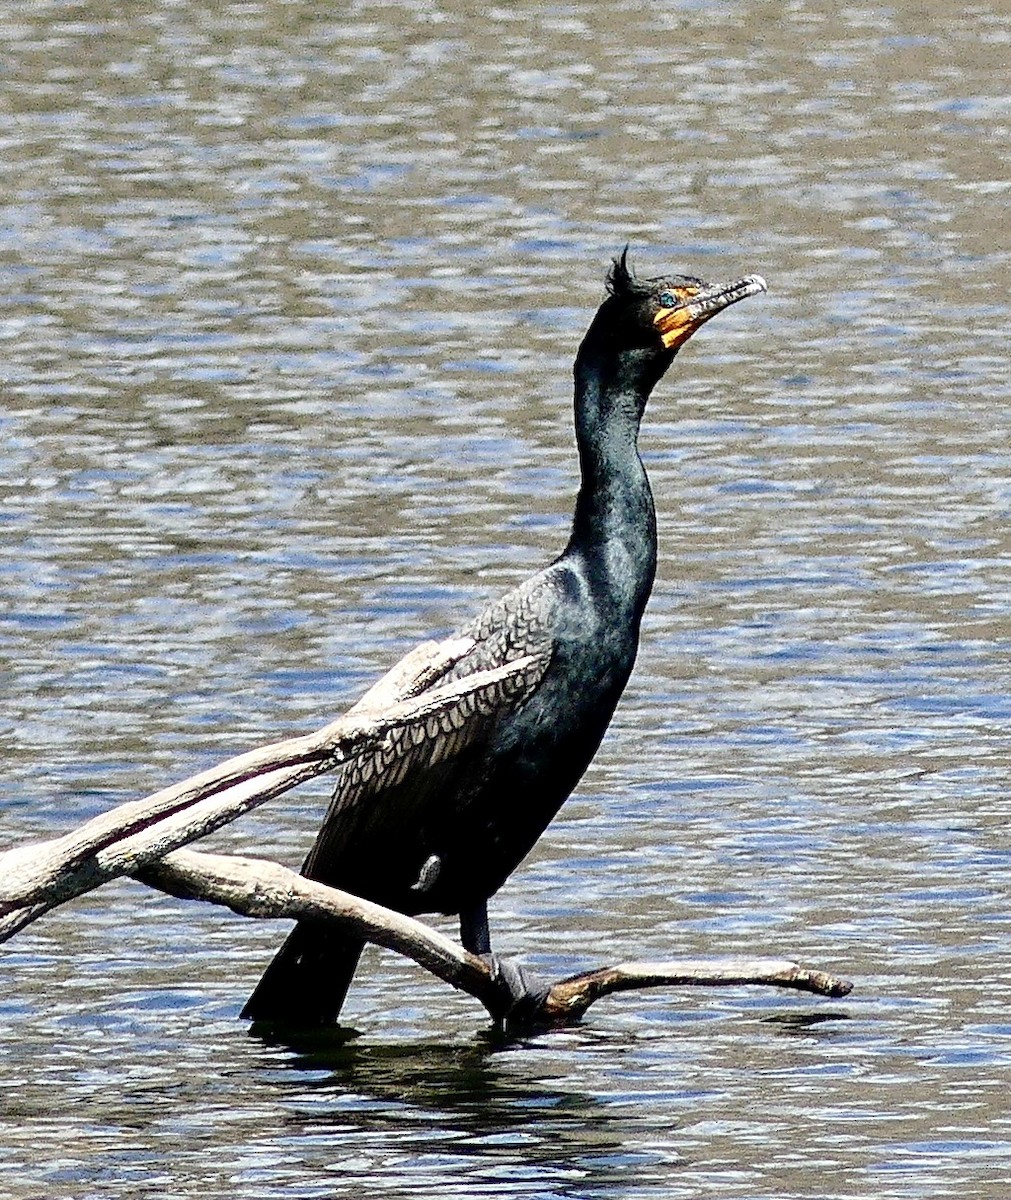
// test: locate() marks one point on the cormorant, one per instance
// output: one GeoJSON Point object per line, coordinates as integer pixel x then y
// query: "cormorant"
{"type": "Point", "coordinates": [437, 822]}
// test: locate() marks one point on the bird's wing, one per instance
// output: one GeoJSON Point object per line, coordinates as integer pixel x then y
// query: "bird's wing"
{"type": "Point", "coordinates": [413, 763]}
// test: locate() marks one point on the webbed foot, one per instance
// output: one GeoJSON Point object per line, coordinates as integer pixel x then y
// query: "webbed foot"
{"type": "Point", "coordinates": [527, 991]}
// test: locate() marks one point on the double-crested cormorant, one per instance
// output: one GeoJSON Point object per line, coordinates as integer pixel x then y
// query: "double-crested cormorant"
{"type": "Point", "coordinates": [438, 822]}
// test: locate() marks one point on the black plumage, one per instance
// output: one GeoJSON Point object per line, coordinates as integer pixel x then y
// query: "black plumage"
{"type": "Point", "coordinates": [439, 817]}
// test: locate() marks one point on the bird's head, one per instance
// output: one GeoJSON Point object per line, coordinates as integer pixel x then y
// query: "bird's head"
{"type": "Point", "coordinates": [644, 322]}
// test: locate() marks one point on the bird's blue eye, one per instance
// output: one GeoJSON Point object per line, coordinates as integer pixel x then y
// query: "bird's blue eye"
{"type": "Point", "coordinates": [668, 300]}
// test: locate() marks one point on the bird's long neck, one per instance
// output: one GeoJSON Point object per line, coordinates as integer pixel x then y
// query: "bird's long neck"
{"type": "Point", "coordinates": [614, 526]}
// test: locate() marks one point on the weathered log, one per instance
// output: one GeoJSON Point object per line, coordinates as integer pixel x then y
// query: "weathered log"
{"type": "Point", "coordinates": [259, 888]}
{"type": "Point", "coordinates": [37, 877]}
{"type": "Point", "coordinates": [142, 838]}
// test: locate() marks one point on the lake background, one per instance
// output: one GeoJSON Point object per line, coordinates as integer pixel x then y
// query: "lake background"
{"type": "Point", "coordinates": [290, 296]}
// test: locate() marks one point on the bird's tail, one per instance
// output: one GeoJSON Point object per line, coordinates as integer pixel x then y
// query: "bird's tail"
{"type": "Point", "coordinates": [307, 979]}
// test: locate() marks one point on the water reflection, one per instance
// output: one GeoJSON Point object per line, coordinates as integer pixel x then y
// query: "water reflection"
{"type": "Point", "coordinates": [474, 1116]}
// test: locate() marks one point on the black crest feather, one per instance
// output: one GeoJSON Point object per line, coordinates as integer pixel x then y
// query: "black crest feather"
{"type": "Point", "coordinates": [621, 280]}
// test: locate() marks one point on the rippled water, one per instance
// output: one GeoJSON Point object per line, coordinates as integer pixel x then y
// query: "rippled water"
{"type": "Point", "coordinates": [290, 297]}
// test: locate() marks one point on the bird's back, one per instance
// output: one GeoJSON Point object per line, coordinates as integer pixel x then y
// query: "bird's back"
{"type": "Point", "coordinates": [473, 795]}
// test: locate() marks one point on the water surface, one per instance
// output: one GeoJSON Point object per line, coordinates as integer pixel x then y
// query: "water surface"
{"type": "Point", "coordinates": [290, 299]}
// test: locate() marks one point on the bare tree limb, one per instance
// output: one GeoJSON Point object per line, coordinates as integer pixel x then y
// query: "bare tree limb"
{"type": "Point", "coordinates": [570, 998]}
{"type": "Point", "coordinates": [407, 678]}
{"type": "Point", "coordinates": [37, 877]}
{"type": "Point", "coordinates": [143, 838]}
{"type": "Point", "coordinates": [258, 888]}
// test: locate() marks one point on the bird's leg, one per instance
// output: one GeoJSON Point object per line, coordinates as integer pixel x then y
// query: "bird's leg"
{"type": "Point", "coordinates": [474, 932]}
{"type": "Point", "coordinates": [526, 990]}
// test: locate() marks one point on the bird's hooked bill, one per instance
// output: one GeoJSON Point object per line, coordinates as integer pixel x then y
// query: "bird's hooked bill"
{"type": "Point", "coordinates": [696, 305]}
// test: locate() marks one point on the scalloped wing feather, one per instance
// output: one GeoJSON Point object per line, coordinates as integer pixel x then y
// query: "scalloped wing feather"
{"type": "Point", "coordinates": [518, 626]}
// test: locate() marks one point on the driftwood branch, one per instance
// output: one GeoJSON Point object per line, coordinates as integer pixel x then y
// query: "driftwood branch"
{"type": "Point", "coordinates": [258, 888]}
{"type": "Point", "coordinates": [37, 877]}
{"type": "Point", "coordinates": [143, 838]}
{"type": "Point", "coordinates": [570, 998]}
